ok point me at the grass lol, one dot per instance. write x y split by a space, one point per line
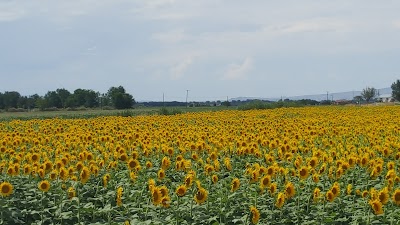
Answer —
90 113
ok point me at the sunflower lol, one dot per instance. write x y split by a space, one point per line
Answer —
71 192
255 214
44 186
53 175
161 174
270 171
156 196
214 179
181 190
235 184
132 164
84 175
396 197
6 189
377 206
272 188
335 189
280 200
165 201
120 190
349 189
151 184
133 176
289 190
364 194
313 161
201 195
189 180
41 173
164 191
165 163
383 196
27 169
149 164
316 194
330 196
265 182
106 178
315 178
303 172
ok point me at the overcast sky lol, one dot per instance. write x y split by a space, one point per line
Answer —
214 48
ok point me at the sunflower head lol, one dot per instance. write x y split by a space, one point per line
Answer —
289 190
280 200
181 190
156 196
383 196
235 184
255 214
201 195
376 206
161 174
44 186
316 194
6 189
214 179
396 197
330 196
303 172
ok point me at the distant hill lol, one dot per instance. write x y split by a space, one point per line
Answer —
319 97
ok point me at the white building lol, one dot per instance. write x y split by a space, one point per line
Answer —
385 98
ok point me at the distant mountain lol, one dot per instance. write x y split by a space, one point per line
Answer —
349 95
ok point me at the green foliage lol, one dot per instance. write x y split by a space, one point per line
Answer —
396 90
119 98
166 112
258 104
369 93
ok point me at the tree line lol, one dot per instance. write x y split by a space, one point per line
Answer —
116 97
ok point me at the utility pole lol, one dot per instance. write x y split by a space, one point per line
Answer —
327 96
187 94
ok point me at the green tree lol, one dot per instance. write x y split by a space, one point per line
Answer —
10 99
358 99
396 90
119 98
63 94
53 99
1 101
369 93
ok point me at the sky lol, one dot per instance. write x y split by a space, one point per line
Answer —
213 48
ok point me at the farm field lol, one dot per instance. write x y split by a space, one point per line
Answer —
311 165
90 113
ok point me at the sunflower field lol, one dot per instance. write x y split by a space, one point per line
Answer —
312 165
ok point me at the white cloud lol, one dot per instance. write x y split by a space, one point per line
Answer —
179 69
396 24
239 72
172 36
10 12
314 25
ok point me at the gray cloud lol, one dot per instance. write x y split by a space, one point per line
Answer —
263 48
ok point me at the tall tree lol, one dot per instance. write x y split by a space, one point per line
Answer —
119 98
63 94
52 99
369 93
1 100
396 90
10 99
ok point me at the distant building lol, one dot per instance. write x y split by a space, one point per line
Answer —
385 98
